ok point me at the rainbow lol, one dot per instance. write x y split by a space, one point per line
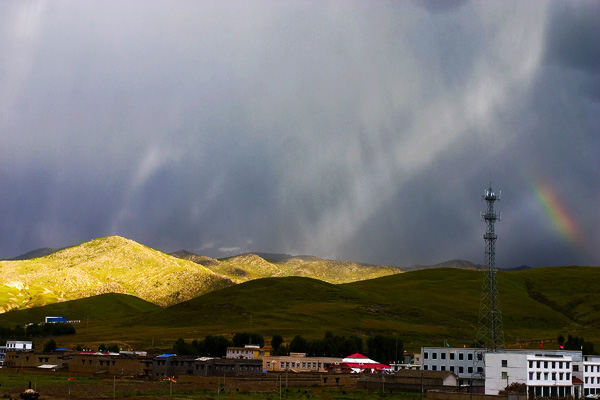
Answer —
557 213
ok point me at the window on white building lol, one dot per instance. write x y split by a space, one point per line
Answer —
470 370
561 376
560 364
434 356
539 364
461 356
504 375
545 364
531 376
461 370
545 376
451 368
443 356
538 376
452 356
426 355
530 364
504 363
554 376
568 375
470 356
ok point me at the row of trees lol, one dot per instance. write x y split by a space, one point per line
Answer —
379 347
576 343
329 346
211 346
36 330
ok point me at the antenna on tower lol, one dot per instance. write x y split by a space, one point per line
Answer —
490 334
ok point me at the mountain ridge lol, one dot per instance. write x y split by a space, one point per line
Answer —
118 265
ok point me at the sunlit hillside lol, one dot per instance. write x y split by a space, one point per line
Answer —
246 267
107 265
118 265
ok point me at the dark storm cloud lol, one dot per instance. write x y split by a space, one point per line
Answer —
440 5
574 36
343 130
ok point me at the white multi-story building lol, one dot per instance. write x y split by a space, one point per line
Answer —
2 354
558 373
248 352
467 363
545 374
16 345
591 375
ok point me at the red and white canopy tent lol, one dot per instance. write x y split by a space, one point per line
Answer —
357 363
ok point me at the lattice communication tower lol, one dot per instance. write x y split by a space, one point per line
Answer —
490 334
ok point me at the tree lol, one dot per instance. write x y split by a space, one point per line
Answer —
276 341
49 346
384 348
182 348
102 348
244 338
215 346
281 351
298 345
113 348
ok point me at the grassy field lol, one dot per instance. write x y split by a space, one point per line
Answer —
57 386
423 307
109 305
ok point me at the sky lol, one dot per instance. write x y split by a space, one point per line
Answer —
354 130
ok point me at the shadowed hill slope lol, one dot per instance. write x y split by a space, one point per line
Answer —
423 307
103 306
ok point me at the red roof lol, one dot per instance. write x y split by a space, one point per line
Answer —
367 366
577 381
357 355
356 366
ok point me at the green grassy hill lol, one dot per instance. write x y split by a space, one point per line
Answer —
424 307
103 306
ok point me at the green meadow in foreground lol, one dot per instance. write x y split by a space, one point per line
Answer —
57 386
